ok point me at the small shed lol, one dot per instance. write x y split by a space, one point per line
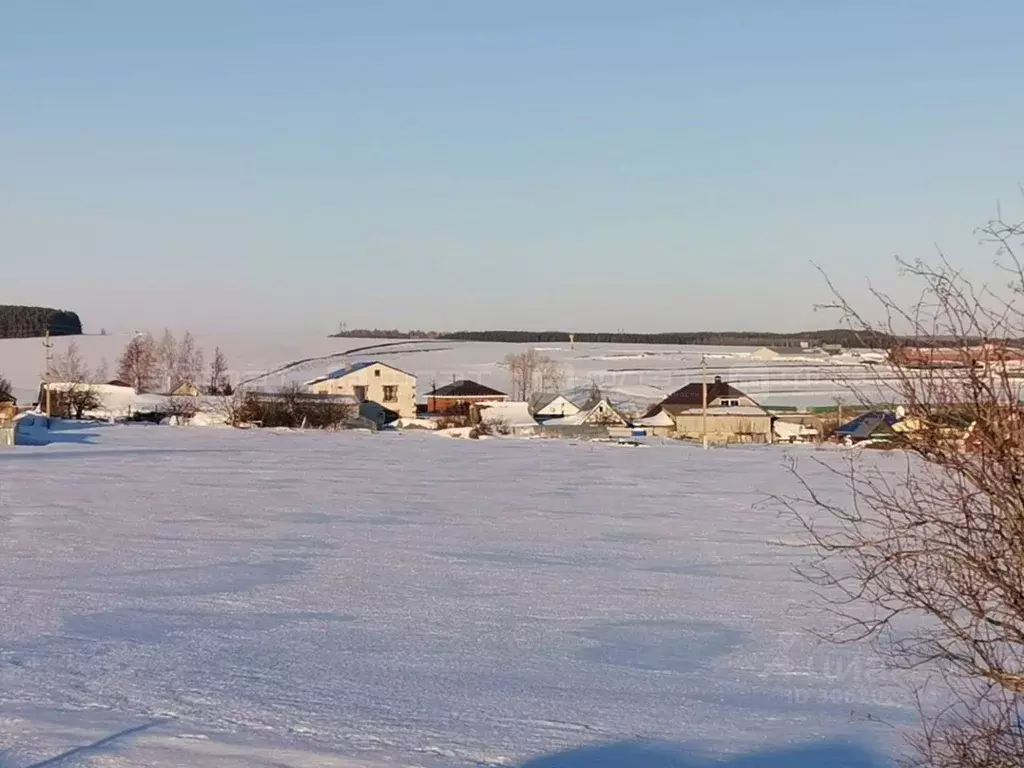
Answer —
458 396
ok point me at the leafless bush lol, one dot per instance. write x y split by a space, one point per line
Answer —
928 560
292 408
5 385
184 408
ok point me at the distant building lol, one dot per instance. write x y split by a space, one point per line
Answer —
552 406
732 415
374 382
185 389
458 396
599 419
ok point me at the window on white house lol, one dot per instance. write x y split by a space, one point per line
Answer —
360 393
377 373
390 394
729 403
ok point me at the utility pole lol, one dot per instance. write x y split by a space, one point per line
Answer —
704 400
48 346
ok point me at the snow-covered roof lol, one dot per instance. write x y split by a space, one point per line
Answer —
512 414
602 412
787 429
354 368
661 419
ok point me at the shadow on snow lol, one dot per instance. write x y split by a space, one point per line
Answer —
636 754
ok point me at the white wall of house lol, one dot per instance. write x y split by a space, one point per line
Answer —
733 402
560 406
394 389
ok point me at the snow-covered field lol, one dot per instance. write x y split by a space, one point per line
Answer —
195 597
633 375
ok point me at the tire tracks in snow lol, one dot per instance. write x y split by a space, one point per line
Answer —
355 350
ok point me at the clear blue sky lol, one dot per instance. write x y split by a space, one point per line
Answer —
582 164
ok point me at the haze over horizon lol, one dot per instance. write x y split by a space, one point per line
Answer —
583 165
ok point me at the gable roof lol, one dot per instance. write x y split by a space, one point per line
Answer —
543 400
184 386
602 412
353 368
692 395
465 388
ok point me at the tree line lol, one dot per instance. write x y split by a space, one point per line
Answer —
846 338
21 322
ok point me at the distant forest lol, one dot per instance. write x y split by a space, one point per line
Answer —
844 337
18 322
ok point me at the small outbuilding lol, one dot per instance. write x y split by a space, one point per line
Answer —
458 396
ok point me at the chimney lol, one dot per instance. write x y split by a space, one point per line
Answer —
718 379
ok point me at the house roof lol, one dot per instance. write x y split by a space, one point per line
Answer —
465 388
353 368
603 408
867 424
693 393
660 419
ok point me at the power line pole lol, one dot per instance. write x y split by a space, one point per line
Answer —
704 400
48 346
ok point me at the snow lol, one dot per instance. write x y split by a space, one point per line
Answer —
247 598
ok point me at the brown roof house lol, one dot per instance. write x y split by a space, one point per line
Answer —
458 396
732 416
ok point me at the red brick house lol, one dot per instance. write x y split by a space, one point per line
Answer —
458 396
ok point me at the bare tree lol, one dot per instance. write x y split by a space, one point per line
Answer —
530 371
138 363
550 375
928 559
68 366
219 383
166 354
188 362
102 373
75 395
5 385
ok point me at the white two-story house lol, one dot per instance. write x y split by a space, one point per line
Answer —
373 382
